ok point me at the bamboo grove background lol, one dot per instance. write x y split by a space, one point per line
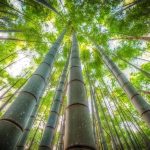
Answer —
52 43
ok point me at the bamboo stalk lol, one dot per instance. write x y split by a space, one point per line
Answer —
78 129
139 102
48 136
16 117
103 140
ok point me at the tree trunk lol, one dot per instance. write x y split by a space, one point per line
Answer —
145 92
103 140
48 136
16 117
22 141
114 101
78 129
10 30
129 5
95 105
18 40
61 142
144 38
142 106
94 123
147 74
143 71
113 140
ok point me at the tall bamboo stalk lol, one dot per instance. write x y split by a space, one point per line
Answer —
61 142
78 129
138 68
144 38
98 140
16 117
48 136
126 143
103 140
139 102
106 119
131 117
103 84
132 137
94 123
117 138
23 139
41 121
128 6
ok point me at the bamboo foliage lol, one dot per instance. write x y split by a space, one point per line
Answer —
16 117
142 106
78 129
48 136
48 5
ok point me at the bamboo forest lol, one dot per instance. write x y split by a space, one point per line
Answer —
74 75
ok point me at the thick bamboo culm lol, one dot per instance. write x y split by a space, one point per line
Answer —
78 128
16 117
139 102
47 139
21 143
